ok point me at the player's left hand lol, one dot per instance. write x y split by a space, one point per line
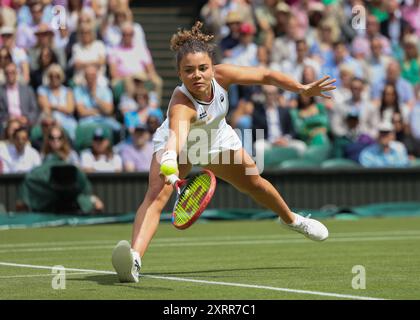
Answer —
317 88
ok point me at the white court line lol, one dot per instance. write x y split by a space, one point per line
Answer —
214 243
230 284
44 275
212 238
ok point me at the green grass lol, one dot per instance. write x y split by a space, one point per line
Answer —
258 253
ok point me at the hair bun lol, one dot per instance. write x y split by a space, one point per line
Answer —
184 36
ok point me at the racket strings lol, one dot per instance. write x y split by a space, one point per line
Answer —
190 199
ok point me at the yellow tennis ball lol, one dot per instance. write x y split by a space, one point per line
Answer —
169 167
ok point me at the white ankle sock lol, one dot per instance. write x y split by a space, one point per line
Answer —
298 220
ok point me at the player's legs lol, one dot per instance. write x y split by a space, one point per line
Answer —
148 214
258 188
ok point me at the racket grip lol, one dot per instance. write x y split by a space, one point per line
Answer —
173 179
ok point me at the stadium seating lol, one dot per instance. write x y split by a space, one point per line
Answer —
298 163
317 154
84 135
276 155
339 163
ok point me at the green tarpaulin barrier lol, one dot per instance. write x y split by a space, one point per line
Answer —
33 220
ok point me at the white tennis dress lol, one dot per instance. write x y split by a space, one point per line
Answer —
209 134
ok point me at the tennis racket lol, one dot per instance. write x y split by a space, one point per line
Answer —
193 196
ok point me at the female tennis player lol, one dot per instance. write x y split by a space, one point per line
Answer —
201 102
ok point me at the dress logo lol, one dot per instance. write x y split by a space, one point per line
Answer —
222 98
202 115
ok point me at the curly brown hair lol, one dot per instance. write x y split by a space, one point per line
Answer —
192 41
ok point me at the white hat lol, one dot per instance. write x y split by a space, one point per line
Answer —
385 126
7 30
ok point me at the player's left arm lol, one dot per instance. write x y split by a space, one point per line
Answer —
227 74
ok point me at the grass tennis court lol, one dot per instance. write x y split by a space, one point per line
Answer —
218 260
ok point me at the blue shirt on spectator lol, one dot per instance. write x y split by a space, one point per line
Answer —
332 69
373 156
404 89
82 95
415 121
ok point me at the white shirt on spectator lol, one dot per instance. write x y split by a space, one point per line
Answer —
102 164
14 162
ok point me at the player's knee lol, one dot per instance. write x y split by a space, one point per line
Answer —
251 185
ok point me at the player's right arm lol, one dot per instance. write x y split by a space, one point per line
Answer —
180 115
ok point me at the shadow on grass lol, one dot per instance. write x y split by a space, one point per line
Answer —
112 280
206 272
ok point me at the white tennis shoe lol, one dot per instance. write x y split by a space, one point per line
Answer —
310 228
126 262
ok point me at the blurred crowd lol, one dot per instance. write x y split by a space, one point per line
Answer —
71 69
372 49
92 74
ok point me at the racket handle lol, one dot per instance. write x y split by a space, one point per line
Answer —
173 179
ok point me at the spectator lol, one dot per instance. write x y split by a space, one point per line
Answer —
377 62
282 15
284 47
46 58
392 26
358 103
372 30
154 121
46 121
137 156
211 13
404 89
390 105
273 117
233 21
322 45
5 59
410 66
245 53
17 100
7 17
341 56
266 22
74 10
310 121
44 39
19 56
386 152
56 99
139 111
57 147
100 158
88 51
130 58
411 14
25 35
94 103
343 92
11 126
19 156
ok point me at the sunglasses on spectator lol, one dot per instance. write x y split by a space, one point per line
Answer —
52 138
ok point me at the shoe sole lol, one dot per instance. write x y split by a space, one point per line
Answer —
122 261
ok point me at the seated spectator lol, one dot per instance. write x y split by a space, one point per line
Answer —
139 110
410 65
310 121
358 103
19 56
343 92
7 134
404 88
111 29
25 35
284 47
46 121
414 125
245 53
100 158
19 156
57 99
137 155
17 101
44 39
94 103
386 152
377 62
233 21
411 14
57 147
138 82
46 58
390 105
130 58
274 118
5 59
154 121
88 51
341 56
321 45
264 14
